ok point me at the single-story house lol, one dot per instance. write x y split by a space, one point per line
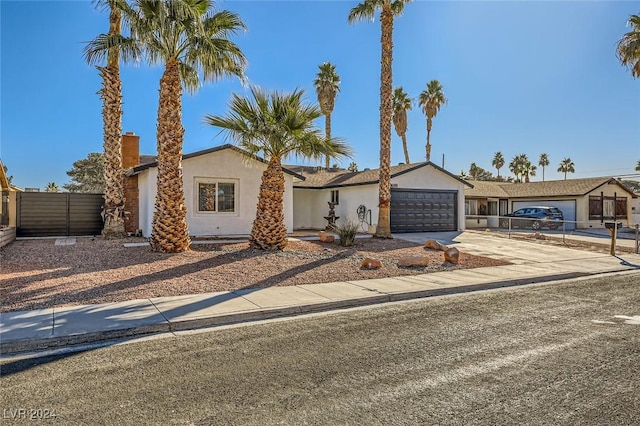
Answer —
585 203
424 197
221 188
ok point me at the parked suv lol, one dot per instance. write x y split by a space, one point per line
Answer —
534 217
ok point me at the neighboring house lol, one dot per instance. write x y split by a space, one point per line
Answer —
424 197
7 201
635 209
221 188
585 203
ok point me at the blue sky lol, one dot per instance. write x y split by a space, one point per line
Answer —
521 77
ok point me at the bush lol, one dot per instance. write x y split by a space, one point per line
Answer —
347 233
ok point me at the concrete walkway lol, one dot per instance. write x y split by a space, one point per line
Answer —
58 327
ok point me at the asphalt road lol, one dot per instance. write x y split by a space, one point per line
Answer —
565 353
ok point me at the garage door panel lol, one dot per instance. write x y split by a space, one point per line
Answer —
422 211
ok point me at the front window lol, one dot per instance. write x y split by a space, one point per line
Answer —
216 196
471 207
601 208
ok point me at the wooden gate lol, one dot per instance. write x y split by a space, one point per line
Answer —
47 214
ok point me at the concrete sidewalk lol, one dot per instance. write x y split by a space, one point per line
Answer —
58 327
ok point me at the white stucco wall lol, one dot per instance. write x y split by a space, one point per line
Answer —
226 165
310 205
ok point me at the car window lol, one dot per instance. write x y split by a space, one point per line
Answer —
520 212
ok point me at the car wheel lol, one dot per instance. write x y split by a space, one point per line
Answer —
536 226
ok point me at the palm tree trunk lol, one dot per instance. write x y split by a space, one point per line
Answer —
428 147
327 133
169 230
268 231
383 229
543 173
111 95
404 147
498 172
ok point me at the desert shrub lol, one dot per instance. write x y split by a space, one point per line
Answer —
346 232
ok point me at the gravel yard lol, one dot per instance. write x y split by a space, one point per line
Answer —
38 274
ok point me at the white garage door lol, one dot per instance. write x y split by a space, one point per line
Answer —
568 209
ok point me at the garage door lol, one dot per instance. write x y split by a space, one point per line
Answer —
567 207
417 210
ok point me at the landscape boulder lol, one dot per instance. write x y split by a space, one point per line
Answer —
413 262
435 245
369 263
452 255
326 238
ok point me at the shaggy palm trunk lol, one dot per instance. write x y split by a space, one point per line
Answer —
383 229
111 95
169 230
268 231
327 132
429 123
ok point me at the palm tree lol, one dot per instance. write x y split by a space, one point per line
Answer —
463 175
291 131
517 164
52 187
401 104
111 45
527 170
367 11
431 100
189 40
327 84
638 166
628 50
566 166
498 161
543 162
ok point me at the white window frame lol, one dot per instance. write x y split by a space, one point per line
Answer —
216 181
335 196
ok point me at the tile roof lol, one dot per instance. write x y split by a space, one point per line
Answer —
550 188
317 179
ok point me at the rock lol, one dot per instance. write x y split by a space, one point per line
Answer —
326 238
413 261
435 245
369 263
539 236
452 255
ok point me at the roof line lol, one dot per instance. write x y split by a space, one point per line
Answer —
140 168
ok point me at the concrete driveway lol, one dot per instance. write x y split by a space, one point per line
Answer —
516 251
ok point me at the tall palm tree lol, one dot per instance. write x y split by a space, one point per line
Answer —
401 104
498 161
388 10
192 43
543 162
291 131
527 170
327 84
111 45
566 166
628 50
431 101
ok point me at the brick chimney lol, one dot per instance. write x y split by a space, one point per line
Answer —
131 158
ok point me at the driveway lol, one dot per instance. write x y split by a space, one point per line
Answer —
513 250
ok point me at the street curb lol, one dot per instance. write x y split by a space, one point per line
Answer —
52 343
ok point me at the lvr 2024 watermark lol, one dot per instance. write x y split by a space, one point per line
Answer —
28 414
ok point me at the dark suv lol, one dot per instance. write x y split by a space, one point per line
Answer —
534 217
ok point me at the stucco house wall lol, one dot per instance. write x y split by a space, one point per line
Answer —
311 205
226 165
